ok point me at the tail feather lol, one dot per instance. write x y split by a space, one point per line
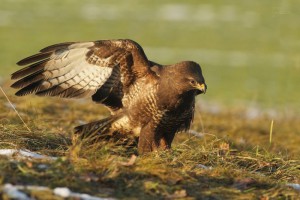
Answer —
97 128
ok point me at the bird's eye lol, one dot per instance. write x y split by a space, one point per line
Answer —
193 82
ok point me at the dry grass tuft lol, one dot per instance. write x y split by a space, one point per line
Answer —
232 160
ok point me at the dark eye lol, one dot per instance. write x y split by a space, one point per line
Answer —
193 82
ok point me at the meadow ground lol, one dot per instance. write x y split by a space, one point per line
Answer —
225 156
249 52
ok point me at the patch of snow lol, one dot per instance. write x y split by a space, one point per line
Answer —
203 167
32 187
14 193
88 197
7 152
43 166
67 193
34 155
295 186
24 154
62 191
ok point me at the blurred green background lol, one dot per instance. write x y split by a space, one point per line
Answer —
249 50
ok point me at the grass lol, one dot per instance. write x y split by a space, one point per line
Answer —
233 159
249 118
248 51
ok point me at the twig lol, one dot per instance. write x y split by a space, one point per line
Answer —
15 109
271 132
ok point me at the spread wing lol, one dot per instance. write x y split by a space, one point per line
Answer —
103 70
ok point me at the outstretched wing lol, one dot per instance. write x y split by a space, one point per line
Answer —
103 70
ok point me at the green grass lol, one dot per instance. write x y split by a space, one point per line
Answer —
248 50
249 54
241 163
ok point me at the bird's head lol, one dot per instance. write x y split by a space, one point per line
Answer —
191 77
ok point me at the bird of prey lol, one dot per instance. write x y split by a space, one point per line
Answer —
146 99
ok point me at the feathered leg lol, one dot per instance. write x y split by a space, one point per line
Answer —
166 140
150 139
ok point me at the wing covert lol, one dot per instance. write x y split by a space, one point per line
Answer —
103 70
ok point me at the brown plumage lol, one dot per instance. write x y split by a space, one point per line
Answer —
146 99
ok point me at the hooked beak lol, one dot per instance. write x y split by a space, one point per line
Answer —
201 87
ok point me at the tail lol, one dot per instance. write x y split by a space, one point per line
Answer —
97 128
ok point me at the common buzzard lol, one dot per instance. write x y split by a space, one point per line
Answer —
146 99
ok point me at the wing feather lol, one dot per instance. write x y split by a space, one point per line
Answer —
103 70
54 47
32 78
29 69
34 58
